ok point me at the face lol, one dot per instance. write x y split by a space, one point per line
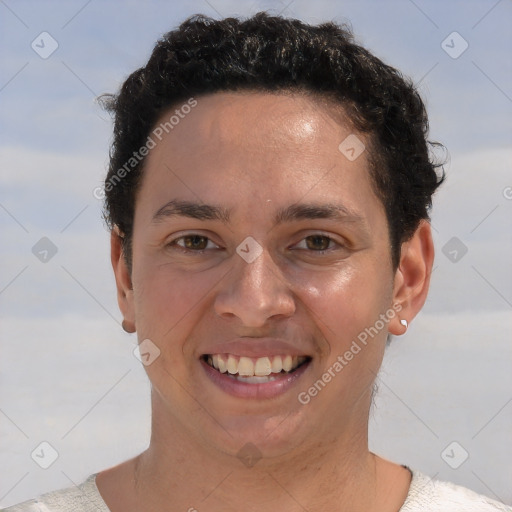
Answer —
261 259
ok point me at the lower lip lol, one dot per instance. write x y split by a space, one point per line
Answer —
283 383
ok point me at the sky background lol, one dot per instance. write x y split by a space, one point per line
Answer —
68 373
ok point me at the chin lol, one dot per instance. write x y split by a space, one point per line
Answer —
261 436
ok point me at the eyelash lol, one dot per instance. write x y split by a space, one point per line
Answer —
330 240
174 243
185 249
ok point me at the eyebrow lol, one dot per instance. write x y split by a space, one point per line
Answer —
294 212
192 210
329 211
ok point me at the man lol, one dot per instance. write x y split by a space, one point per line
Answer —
268 197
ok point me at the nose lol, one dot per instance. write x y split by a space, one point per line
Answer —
254 292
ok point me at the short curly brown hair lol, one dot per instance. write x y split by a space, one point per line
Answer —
270 54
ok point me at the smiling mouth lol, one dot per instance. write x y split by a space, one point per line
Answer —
255 370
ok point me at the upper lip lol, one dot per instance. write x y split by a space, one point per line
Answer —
255 347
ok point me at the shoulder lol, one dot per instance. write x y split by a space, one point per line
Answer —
82 498
438 496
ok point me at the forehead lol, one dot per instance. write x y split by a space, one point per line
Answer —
268 146
257 120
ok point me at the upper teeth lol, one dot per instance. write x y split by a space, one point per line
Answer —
247 366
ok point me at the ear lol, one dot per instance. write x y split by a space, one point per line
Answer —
123 281
412 278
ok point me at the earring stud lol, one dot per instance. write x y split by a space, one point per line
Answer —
404 323
126 327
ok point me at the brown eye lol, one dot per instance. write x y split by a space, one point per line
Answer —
195 242
318 242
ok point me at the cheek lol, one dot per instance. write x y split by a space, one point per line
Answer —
347 308
168 307
167 299
346 303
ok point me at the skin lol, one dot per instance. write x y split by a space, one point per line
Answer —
254 154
